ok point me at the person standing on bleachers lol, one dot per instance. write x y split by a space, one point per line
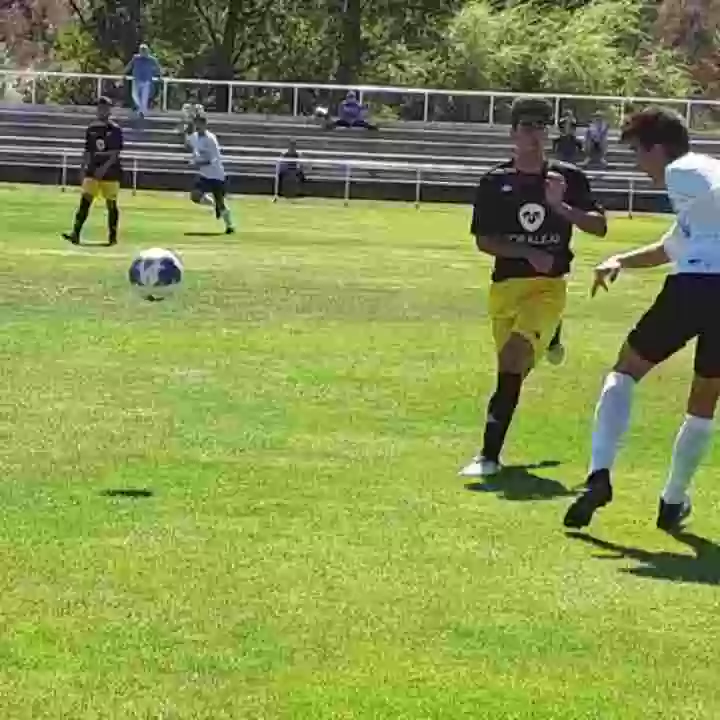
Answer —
144 68
596 140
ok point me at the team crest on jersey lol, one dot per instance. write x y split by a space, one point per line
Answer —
531 216
100 144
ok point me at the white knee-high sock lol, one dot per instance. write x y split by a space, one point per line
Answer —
691 443
612 417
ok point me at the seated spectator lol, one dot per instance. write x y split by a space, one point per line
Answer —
352 114
566 146
596 140
290 174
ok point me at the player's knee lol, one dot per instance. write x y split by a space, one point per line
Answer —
703 398
630 363
87 198
517 355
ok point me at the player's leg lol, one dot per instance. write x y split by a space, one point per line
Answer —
694 435
523 323
659 334
221 208
90 189
144 93
136 96
200 192
110 191
555 352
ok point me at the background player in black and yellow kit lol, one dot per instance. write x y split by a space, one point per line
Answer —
102 169
524 215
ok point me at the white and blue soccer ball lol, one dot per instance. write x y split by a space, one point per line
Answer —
156 273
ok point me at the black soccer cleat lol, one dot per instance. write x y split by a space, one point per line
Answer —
671 515
597 494
112 240
72 237
230 231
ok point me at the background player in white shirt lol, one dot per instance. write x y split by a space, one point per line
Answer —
211 178
685 309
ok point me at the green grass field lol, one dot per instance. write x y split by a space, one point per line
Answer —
297 415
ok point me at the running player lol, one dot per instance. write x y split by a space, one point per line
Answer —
211 180
685 309
524 215
102 167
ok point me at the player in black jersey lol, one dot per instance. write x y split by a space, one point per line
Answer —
102 168
524 215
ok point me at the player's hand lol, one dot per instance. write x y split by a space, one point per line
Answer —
541 261
606 272
555 187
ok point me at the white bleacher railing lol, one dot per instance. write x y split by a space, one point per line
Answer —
687 106
66 160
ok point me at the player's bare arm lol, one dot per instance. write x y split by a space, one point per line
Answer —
112 157
593 222
649 256
502 247
589 221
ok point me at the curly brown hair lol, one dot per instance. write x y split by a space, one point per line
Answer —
657 126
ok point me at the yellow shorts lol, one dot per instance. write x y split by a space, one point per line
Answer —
530 307
108 189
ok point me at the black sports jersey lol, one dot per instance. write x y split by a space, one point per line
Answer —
511 204
101 138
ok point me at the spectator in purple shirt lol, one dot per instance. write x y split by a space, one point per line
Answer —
352 114
144 68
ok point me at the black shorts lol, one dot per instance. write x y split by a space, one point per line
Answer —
216 188
685 309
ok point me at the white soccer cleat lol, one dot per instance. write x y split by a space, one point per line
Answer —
480 467
555 354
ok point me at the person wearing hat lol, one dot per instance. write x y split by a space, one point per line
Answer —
102 171
524 214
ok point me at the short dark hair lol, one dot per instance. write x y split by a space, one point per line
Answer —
657 126
535 109
104 101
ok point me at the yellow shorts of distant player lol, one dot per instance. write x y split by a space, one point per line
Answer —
530 307
107 189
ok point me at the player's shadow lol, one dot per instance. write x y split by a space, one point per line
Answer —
517 482
201 233
703 567
135 493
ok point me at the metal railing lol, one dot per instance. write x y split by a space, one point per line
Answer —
494 102
66 160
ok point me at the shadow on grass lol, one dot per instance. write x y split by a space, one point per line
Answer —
702 568
201 233
518 483
128 493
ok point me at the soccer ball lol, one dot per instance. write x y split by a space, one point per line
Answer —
155 273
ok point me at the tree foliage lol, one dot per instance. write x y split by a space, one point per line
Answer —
574 46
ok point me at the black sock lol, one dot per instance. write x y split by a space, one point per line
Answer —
556 337
82 214
113 219
501 409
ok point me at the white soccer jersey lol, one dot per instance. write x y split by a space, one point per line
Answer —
693 185
206 152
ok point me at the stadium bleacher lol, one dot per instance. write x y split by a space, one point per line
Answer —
439 161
